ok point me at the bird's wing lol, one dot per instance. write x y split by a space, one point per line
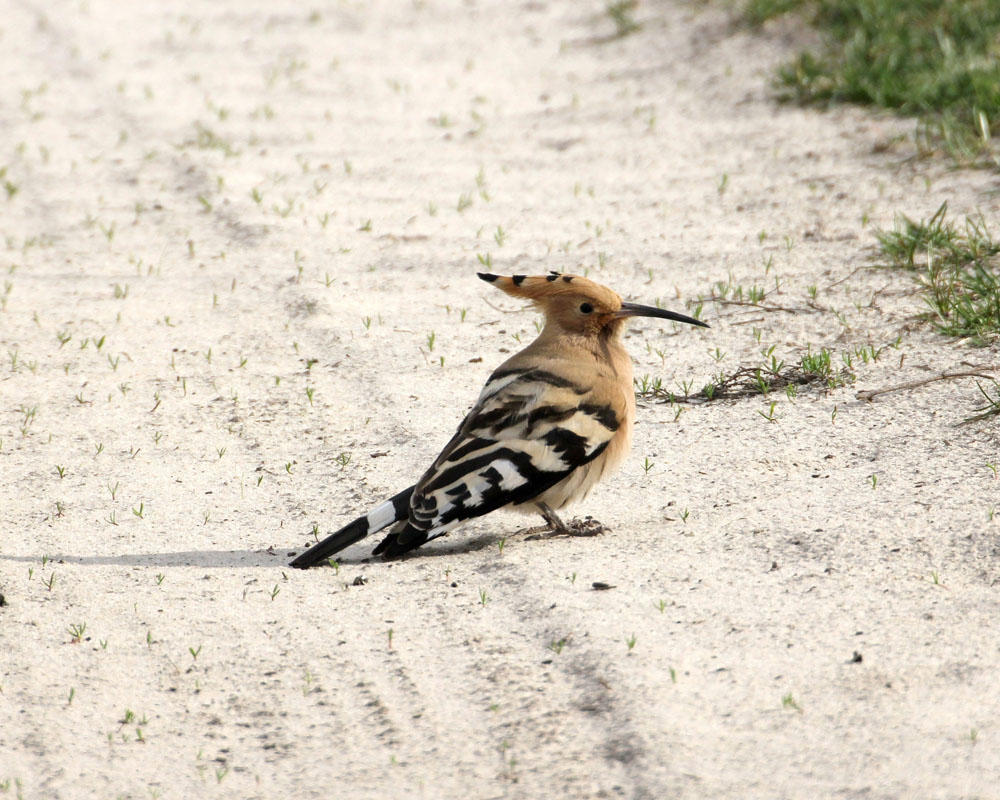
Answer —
529 429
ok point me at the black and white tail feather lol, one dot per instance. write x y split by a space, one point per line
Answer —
529 430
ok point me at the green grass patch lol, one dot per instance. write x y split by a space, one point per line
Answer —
812 369
938 60
958 268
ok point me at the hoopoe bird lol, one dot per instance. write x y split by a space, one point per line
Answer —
550 422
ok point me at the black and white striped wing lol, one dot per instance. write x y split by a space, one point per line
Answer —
529 429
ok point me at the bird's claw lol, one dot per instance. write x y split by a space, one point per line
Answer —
588 526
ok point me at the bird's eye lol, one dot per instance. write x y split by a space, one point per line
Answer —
586 308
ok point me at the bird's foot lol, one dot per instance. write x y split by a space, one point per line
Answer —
588 526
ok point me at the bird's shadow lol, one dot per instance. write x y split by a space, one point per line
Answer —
225 559
246 559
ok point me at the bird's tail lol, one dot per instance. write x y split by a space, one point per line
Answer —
390 512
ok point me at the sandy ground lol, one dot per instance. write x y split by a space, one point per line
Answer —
239 302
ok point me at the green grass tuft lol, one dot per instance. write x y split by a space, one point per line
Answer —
958 269
933 59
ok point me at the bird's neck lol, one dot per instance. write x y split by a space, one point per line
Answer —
605 347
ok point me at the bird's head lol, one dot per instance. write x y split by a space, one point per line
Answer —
578 305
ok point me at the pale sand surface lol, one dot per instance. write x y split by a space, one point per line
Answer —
135 135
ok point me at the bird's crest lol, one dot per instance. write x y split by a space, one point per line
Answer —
540 288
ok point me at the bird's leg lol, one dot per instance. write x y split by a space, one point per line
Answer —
556 527
553 525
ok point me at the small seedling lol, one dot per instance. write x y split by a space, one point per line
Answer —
630 641
76 631
274 592
557 646
194 651
483 597
992 407
622 13
309 678
647 465
787 701
769 415
873 479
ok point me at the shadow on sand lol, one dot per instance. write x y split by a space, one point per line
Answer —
235 559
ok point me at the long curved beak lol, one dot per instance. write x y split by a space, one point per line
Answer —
636 310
